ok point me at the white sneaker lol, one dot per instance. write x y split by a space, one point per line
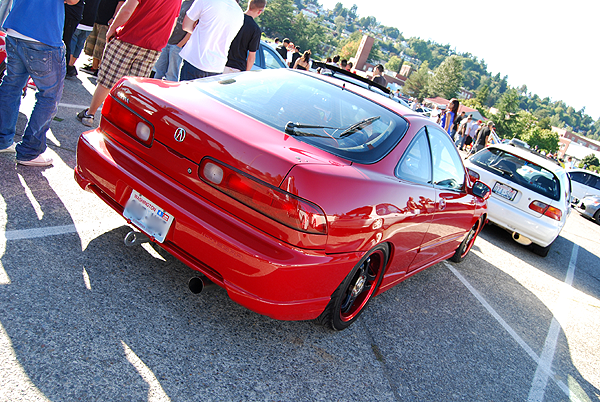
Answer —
10 149
41 160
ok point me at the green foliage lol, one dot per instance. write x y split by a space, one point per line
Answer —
417 84
544 140
308 35
447 78
475 104
507 125
589 161
277 18
395 64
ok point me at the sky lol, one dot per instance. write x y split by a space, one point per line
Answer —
550 46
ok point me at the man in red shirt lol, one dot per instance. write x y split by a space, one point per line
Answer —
134 40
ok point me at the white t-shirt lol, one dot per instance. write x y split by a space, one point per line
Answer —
219 21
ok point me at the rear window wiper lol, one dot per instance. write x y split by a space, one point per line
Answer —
290 129
359 126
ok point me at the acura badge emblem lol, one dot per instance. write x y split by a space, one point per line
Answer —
180 134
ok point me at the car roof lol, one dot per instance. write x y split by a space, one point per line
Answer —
529 155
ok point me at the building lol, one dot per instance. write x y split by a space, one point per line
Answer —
571 144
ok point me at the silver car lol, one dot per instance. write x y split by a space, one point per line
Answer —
589 206
530 194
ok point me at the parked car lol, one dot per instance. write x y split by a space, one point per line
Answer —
302 195
589 206
530 194
583 182
267 57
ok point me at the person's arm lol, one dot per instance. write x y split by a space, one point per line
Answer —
188 24
447 122
117 8
184 40
250 60
121 18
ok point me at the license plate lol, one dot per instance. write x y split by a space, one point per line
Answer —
148 216
504 191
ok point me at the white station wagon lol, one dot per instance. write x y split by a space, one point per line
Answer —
530 194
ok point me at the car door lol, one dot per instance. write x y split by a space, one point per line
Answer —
454 207
414 171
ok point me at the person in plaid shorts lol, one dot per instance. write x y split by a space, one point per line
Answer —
140 30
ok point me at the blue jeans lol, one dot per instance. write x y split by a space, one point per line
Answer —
77 42
46 66
189 72
168 64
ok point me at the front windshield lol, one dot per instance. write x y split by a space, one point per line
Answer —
519 171
313 111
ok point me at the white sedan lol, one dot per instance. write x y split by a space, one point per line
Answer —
530 194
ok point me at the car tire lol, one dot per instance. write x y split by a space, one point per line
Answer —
539 250
597 216
356 291
465 246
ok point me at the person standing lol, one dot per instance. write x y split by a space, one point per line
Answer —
303 63
448 117
134 41
282 48
85 27
213 25
378 77
96 41
35 49
457 122
169 61
73 14
242 51
483 138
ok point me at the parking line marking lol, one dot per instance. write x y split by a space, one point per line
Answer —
33 233
72 106
544 370
540 379
494 314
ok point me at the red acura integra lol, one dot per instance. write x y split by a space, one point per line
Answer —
301 195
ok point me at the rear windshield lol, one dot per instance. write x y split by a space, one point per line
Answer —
343 123
520 171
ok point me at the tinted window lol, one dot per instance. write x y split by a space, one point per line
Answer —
415 164
520 171
343 123
448 170
579 177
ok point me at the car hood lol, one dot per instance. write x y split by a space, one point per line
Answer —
194 125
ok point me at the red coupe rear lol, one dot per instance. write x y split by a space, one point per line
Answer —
302 196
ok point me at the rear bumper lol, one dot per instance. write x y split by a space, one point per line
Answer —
258 271
540 230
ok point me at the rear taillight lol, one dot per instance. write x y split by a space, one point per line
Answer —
473 174
127 120
268 200
546 209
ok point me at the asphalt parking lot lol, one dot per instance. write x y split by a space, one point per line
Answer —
83 317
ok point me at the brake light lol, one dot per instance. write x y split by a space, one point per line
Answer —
473 174
546 210
127 120
270 201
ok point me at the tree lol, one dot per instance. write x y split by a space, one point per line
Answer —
447 78
507 125
417 84
395 64
340 24
589 161
277 18
544 140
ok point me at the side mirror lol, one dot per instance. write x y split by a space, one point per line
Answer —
481 190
